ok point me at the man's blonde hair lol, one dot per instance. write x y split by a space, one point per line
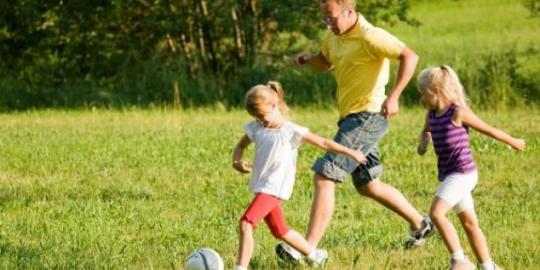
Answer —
340 2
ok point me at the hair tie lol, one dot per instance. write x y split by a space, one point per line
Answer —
273 85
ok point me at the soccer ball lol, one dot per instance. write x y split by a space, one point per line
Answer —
204 259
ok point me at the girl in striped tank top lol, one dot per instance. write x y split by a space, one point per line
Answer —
447 122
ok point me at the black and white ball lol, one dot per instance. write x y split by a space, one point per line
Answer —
204 259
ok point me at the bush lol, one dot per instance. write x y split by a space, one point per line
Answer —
493 80
533 6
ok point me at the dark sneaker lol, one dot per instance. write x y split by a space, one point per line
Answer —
289 254
418 237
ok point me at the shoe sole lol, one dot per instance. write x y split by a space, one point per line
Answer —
285 255
414 243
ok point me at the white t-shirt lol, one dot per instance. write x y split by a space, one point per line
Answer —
274 167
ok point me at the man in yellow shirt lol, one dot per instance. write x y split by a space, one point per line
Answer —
358 55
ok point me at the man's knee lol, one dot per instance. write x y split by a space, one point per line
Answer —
369 189
322 183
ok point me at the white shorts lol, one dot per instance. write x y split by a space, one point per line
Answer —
456 190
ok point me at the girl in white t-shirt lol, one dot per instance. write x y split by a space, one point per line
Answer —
276 146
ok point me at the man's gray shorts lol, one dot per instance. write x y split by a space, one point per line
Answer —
361 131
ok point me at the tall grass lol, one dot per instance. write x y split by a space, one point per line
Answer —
494 46
138 189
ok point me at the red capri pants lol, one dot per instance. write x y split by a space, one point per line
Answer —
267 207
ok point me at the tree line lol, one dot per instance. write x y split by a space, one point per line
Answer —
73 53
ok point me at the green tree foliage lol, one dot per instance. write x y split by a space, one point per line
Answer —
74 52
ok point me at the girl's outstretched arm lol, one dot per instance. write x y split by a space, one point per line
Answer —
425 137
332 146
239 164
466 117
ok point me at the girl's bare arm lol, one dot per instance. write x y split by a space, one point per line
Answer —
425 137
468 118
332 146
239 164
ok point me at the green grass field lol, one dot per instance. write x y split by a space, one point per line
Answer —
142 189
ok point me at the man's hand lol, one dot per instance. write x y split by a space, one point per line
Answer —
241 166
407 63
302 58
389 108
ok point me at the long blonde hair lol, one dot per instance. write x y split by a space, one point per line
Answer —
442 82
261 93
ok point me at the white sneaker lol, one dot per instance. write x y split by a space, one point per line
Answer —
288 253
318 258
465 264
495 266
418 237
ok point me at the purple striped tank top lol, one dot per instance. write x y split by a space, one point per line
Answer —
451 144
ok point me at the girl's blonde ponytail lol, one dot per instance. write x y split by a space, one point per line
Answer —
453 88
262 93
443 82
276 86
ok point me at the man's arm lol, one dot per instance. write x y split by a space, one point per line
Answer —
407 64
315 60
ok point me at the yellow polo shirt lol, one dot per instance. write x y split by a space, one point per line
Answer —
361 66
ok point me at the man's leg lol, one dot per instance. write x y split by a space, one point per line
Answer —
392 199
366 179
360 131
420 227
322 208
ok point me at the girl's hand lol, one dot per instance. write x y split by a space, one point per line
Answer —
422 148
242 166
518 144
359 157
